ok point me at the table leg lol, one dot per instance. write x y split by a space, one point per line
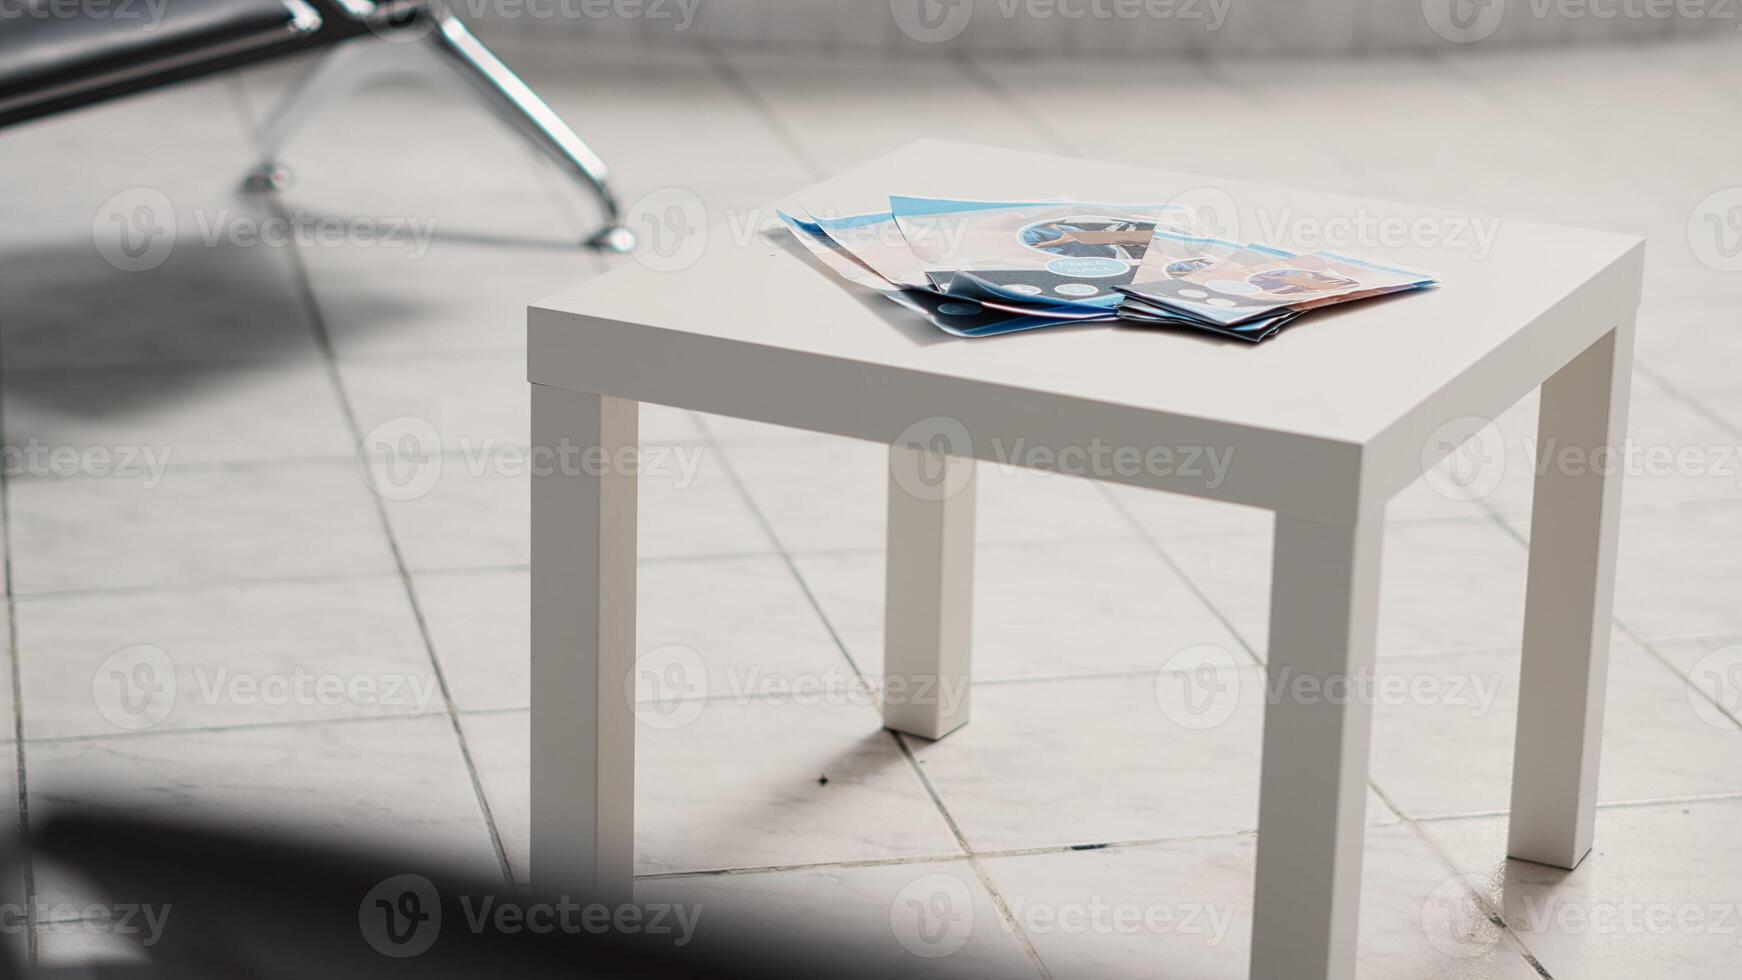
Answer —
929 592
583 644
1570 599
1313 795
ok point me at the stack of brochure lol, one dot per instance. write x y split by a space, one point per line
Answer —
982 268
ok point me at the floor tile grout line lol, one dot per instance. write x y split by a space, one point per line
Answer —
123 369
27 863
1495 916
1692 400
1408 821
1235 82
14 664
197 585
205 585
889 862
1385 798
994 854
362 358
248 726
495 710
767 526
1548 127
1172 841
202 585
1652 650
759 105
1601 805
1011 923
317 321
323 339
975 72
1670 801
1634 636
222 466
1514 942
1372 782
1173 565
900 743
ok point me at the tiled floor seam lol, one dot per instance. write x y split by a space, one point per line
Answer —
1161 552
1495 916
1008 919
51 372
1011 923
1550 127
978 855
1651 649
1002 905
989 84
205 467
305 290
1645 804
1635 636
202 585
1693 401
42 740
26 864
786 558
994 854
324 342
765 111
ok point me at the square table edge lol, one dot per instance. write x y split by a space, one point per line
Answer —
1286 472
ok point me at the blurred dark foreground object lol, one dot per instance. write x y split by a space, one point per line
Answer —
227 906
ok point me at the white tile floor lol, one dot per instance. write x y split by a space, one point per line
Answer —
259 552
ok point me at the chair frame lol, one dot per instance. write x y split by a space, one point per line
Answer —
426 41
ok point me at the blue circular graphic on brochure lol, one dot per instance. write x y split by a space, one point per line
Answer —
1076 289
1088 268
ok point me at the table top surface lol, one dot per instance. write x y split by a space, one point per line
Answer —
1342 374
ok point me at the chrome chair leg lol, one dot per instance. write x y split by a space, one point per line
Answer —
344 69
518 105
447 54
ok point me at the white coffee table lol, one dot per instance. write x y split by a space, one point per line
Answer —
1326 423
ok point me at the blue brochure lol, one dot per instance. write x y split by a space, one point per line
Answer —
983 268
956 316
1055 253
